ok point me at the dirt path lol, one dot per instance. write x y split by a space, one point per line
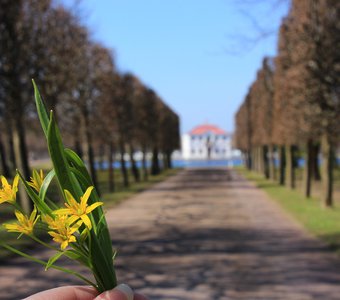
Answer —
203 234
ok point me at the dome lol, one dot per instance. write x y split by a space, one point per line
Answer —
207 128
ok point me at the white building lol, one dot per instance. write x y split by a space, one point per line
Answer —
206 142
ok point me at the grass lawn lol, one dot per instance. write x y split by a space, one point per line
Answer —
322 222
110 199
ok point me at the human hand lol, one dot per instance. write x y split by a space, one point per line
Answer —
121 292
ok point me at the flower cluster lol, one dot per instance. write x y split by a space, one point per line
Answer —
78 227
63 223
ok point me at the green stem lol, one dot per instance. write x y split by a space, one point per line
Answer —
44 244
45 264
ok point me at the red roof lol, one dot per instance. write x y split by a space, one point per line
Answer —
202 129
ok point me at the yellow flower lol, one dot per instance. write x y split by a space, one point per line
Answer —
37 180
56 223
77 210
64 235
25 224
8 192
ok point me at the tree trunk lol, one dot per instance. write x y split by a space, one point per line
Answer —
88 149
134 169
101 161
249 161
23 149
123 166
11 149
26 204
265 161
315 162
290 174
255 164
282 165
111 168
4 166
144 166
77 147
155 169
271 162
308 169
327 171
168 159
165 161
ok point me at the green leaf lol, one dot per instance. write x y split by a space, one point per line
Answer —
53 259
77 162
46 184
41 205
42 113
60 164
102 263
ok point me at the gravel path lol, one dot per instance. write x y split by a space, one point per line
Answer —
203 234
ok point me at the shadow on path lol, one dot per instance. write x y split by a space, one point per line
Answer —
204 234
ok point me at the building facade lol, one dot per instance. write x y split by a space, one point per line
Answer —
207 142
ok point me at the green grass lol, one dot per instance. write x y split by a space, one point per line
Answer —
322 222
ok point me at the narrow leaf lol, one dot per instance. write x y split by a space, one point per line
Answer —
42 113
46 184
53 259
60 164
42 206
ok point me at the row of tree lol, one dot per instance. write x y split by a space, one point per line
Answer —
293 106
100 111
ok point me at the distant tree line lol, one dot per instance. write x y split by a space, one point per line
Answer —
293 106
102 112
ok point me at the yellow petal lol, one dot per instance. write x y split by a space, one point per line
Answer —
86 196
69 197
15 182
86 221
21 218
11 227
64 244
72 219
62 211
4 181
93 206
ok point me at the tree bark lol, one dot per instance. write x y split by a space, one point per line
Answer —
101 161
308 169
327 171
26 204
290 174
155 169
271 162
168 159
249 161
144 166
88 149
11 147
282 165
123 165
4 166
315 163
77 147
111 168
134 169
265 161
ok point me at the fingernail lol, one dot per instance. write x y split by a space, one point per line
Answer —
126 290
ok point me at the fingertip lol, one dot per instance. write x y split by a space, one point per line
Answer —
121 292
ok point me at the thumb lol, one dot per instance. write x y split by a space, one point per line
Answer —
120 292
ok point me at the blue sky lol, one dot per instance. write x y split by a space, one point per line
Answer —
181 49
